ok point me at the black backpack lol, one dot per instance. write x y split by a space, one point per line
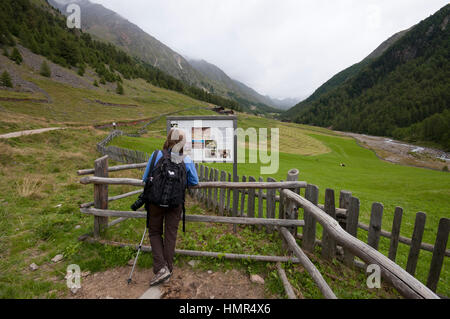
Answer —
166 183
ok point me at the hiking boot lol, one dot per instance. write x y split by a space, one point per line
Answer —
160 277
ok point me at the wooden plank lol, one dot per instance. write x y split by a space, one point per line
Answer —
292 176
204 185
260 200
309 231
199 218
414 251
309 266
223 177
406 284
209 203
241 213
344 202
195 253
438 255
281 213
100 195
228 195
235 203
113 168
328 243
287 286
216 191
270 204
395 234
202 191
376 217
205 193
352 228
251 199
114 198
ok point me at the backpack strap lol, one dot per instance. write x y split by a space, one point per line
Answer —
147 184
152 163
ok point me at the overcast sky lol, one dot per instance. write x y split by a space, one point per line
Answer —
282 48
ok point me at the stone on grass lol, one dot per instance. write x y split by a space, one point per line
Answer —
85 274
34 267
57 258
193 263
257 279
131 262
77 227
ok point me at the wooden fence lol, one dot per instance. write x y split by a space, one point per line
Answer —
246 203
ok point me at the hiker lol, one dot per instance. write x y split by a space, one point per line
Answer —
165 220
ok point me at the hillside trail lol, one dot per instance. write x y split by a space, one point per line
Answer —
30 132
39 131
186 283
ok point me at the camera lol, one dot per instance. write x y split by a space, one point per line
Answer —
139 203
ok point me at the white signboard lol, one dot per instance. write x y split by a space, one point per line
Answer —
207 139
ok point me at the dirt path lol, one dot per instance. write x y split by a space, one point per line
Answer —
30 132
186 283
403 153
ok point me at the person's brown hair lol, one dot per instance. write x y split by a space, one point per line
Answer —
176 139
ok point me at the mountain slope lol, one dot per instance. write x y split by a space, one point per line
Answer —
403 92
346 74
107 25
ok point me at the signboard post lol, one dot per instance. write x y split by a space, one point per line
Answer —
210 139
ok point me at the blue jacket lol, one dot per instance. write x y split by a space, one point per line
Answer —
192 177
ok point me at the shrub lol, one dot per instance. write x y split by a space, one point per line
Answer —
96 83
119 89
5 80
16 56
45 69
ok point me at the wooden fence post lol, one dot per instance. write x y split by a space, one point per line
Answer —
352 228
375 225
395 234
244 180
328 243
100 195
416 242
260 201
270 204
309 230
227 210
251 199
223 177
209 203
235 203
204 178
344 201
216 191
438 254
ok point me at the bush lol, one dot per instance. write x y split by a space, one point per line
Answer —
96 83
16 56
445 168
45 69
5 80
119 89
5 52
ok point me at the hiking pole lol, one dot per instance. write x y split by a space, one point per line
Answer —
137 255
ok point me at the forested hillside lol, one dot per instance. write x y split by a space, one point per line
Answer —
403 93
42 29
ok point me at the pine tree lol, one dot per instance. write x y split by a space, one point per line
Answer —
45 69
16 56
119 89
5 80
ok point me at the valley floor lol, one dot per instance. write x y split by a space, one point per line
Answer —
402 153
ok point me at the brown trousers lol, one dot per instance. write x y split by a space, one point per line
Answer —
163 249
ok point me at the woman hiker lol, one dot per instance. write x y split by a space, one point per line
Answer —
165 220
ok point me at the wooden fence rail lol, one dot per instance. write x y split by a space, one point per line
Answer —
246 203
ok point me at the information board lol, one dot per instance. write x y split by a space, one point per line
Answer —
208 138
